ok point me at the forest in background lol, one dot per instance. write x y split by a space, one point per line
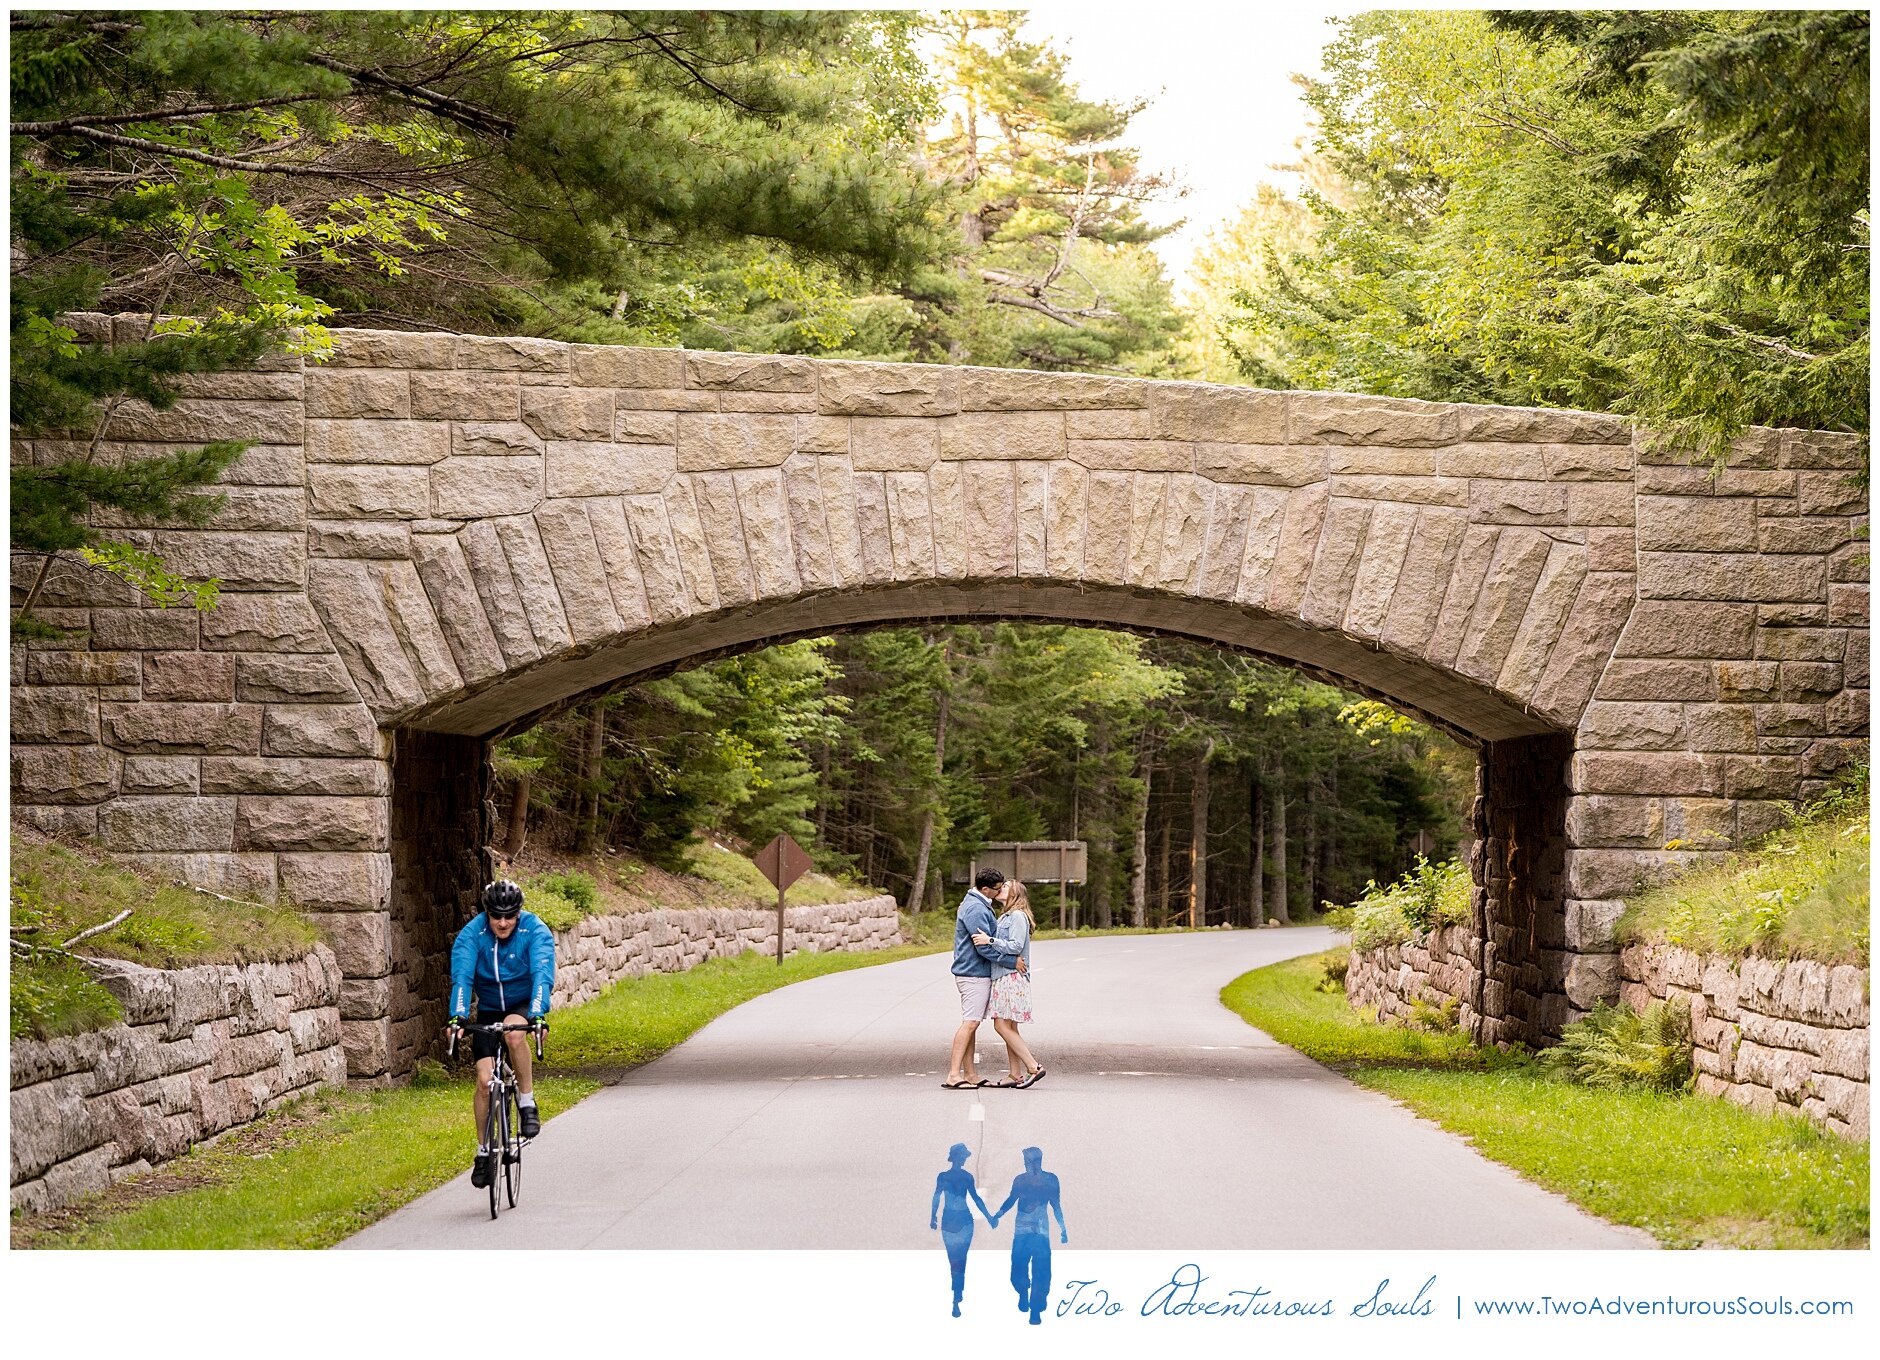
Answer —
1661 213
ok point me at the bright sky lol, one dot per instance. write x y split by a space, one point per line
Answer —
1225 108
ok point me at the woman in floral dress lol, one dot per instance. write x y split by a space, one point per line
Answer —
1011 985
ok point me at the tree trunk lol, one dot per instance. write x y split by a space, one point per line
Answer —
1278 909
591 779
926 821
1309 862
1139 867
1161 905
517 833
1256 819
1328 840
1198 843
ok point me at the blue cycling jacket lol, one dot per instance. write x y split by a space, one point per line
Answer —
505 976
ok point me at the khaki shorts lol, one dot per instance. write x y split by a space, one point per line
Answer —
975 997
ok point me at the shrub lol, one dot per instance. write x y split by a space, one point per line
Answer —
574 886
561 899
1429 895
1442 1018
1337 968
1616 1046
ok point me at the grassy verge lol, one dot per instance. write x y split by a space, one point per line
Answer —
1802 892
56 892
323 1168
1690 1171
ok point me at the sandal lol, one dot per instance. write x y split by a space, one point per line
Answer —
958 1085
1037 1075
1007 1085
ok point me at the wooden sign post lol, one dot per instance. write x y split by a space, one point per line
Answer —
783 861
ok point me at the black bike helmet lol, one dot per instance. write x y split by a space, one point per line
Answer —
502 898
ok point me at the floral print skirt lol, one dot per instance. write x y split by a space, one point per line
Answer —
1011 998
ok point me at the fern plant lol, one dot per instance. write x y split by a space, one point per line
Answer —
1616 1046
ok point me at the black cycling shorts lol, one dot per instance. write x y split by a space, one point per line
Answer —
483 1045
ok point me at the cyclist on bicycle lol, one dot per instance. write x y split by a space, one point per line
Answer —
505 960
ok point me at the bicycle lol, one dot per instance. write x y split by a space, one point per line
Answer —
500 1123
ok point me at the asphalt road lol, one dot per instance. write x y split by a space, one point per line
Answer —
812 1118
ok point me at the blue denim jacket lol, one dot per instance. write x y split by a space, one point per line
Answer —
975 914
1011 943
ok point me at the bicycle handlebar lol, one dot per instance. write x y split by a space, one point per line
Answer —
538 1028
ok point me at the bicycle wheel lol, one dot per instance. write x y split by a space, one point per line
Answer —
494 1135
512 1150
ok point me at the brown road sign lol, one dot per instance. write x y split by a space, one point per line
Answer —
783 861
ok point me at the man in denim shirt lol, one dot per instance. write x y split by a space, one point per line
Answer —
972 974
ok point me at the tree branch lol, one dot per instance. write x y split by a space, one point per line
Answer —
483 120
157 116
206 157
117 920
672 55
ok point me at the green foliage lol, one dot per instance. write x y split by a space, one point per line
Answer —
1429 895
1617 1046
1440 1018
1662 215
1802 892
562 898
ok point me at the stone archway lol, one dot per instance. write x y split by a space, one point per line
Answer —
445 535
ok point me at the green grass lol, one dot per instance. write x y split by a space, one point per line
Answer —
325 1167
1285 1000
1689 1170
1803 892
57 892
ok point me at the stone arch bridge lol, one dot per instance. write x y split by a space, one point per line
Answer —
437 537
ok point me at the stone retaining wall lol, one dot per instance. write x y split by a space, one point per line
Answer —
200 1050
1768 1034
1428 968
600 950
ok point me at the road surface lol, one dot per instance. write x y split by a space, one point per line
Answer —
812 1117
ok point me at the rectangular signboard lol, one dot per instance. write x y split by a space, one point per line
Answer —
1029 861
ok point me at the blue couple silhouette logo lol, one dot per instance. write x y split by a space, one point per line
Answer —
1034 1196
